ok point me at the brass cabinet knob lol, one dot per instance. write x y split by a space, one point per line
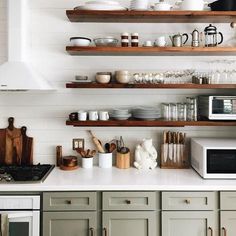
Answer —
224 231
211 231
187 201
91 230
128 202
105 231
69 202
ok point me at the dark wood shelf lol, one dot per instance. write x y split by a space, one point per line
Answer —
152 16
150 51
148 86
142 123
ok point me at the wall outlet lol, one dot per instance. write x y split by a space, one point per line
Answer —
78 143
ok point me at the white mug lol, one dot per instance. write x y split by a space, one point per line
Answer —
93 115
82 115
103 115
161 41
147 43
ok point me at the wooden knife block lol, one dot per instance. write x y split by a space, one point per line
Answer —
182 162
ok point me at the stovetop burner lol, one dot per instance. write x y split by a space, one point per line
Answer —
33 173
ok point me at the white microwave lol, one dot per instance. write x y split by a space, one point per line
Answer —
214 158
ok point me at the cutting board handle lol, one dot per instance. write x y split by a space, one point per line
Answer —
11 123
23 130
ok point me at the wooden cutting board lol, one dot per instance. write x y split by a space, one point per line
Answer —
16 147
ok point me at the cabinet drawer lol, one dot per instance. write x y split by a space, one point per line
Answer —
129 201
228 200
70 201
188 201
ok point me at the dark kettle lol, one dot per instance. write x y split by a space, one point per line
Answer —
223 5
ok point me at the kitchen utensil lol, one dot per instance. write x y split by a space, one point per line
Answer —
93 115
211 39
97 143
59 155
82 115
107 147
165 146
191 5
80 41
223 5
177 40
112 147
103 115
195 38
123 160
105 160
108 41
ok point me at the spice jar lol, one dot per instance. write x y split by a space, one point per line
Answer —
125 40
134 40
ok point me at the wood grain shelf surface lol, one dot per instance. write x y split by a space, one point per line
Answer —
150 51
142 123
151 16
148 86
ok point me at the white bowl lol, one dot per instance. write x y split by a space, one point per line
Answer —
80 41
122 72
103 79
123 79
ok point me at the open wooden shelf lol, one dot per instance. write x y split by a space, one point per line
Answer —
148 86
152 16
150 51
142 123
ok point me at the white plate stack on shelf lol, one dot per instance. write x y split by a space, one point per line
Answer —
146 113
102 5
120 114
139 5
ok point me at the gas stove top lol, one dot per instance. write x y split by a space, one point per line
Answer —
33 173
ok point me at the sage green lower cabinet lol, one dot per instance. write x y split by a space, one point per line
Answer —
129 223
228 223
188 223
69 223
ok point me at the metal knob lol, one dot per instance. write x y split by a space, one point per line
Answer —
128 202
211 231
187 201
69 202
91 230
224 231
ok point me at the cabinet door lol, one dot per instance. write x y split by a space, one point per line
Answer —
129 223
69 223
228 223
188 223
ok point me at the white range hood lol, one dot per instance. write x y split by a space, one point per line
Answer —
16 74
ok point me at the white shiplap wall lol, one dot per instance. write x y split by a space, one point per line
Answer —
45 113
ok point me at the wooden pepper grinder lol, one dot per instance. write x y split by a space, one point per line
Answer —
59 155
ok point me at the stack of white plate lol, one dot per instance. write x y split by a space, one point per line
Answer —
120 114
146 113
139 5
102 5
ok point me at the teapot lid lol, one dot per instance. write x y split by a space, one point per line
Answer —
210 28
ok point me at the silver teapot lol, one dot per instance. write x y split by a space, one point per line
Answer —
177 40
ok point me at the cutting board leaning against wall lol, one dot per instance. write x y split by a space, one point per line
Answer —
16 148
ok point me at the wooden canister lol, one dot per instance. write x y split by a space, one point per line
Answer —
123 160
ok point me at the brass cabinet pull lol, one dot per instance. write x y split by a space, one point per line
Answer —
105 231
128 202
211 230
69 202
92 232
187 201
224 231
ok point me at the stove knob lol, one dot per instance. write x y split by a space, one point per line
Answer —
8 178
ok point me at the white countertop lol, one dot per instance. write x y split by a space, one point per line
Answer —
98 179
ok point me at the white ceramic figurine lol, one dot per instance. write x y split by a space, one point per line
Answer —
145 155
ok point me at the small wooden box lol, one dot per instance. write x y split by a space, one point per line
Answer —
123 160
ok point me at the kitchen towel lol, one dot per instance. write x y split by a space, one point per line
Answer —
4 231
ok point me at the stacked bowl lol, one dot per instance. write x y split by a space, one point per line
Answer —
122 76
120 114
139 5
146 113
